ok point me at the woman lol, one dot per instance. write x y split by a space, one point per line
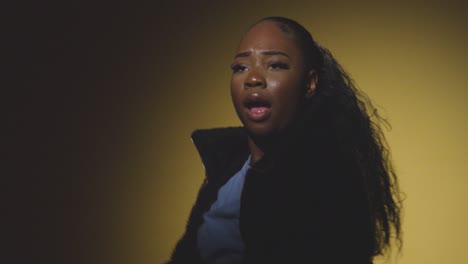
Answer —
307 178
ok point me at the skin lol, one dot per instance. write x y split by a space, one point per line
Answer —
269 65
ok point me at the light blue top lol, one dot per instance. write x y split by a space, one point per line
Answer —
219 239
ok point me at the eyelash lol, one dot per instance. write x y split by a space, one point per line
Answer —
274 66
279 66
238 68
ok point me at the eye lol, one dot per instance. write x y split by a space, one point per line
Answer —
278 66
238 68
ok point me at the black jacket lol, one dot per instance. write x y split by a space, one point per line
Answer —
306 205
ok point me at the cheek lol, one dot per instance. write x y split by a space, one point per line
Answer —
287 93
233 88
236 83
236 91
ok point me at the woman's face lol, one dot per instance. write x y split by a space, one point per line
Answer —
269 80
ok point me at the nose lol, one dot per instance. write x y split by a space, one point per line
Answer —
255 79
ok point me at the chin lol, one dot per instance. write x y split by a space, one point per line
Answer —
260 130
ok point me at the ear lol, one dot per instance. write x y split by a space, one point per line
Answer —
311 84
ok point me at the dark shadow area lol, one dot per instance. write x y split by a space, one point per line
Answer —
75 78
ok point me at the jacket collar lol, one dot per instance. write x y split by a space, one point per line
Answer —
222 151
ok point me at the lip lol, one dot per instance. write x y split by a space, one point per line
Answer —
257 107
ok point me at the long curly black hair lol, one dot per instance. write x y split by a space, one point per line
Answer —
357 126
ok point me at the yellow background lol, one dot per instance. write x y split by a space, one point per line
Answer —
134 81
410 59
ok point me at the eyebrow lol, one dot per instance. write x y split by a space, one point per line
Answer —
266 52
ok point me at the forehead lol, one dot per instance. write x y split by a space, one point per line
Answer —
267 35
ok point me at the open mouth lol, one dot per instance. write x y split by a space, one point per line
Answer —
258 108
257 105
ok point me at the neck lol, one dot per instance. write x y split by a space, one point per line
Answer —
255 150
272 146
290 140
